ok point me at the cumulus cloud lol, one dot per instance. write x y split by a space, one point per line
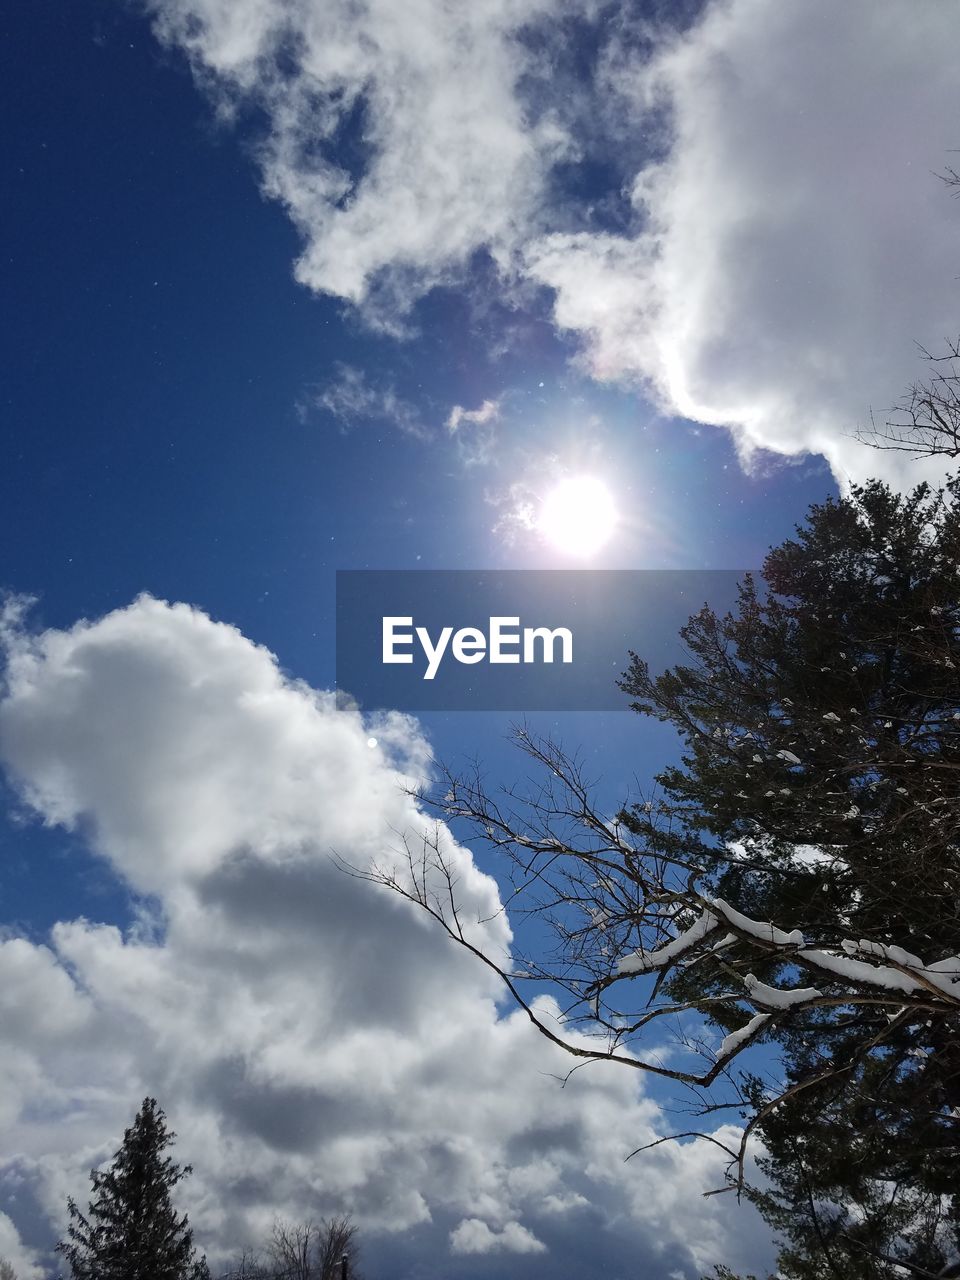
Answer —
474 1236
783 243
794 243
317 1045
12 1250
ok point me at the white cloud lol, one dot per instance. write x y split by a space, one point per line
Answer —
12 1250
790 241
795 242
474 1236
317 1044
451 160
487 412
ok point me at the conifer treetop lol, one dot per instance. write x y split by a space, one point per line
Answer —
131 1230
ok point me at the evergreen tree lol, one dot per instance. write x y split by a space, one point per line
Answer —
131 1230
822 743
822 716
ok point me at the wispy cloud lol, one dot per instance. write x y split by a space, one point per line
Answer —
475 431
354 400
516 506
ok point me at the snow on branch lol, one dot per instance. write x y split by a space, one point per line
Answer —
889 969
764 931
777 997
645 961
736 1040
904 972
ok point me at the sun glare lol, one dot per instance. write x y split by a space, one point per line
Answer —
578 516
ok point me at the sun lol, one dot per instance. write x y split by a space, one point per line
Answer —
579 516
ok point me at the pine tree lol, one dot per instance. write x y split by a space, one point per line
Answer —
822 715
822 743
131 1230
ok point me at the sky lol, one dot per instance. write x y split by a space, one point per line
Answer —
294 286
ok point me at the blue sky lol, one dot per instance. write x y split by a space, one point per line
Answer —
253 265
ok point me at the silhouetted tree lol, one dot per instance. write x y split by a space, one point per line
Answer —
303 1251
131 1230
312 1252
926 423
